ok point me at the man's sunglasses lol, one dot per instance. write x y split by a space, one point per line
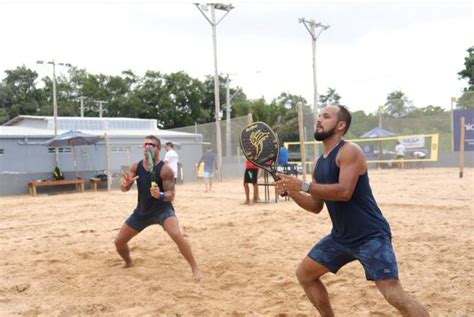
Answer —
153 145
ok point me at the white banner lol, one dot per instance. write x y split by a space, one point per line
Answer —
413 141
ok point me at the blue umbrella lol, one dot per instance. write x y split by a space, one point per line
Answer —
73 138
377 133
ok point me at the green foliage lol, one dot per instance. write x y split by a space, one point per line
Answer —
332 97
397 104
466 101
468 71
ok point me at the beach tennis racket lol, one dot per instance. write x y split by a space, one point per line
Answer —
260 146
151 158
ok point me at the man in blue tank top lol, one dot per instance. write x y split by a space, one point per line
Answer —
360 231
156 191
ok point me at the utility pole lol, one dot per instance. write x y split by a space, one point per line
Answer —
82 98
100 103
213 23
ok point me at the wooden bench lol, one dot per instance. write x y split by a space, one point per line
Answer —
78 182
96 180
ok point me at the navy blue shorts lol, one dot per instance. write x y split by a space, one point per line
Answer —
139 222
376 256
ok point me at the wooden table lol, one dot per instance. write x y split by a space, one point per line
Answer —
95 181
78 182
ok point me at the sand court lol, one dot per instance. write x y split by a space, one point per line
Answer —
59 259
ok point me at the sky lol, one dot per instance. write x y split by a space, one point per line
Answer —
369 50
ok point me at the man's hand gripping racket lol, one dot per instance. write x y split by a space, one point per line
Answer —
260 146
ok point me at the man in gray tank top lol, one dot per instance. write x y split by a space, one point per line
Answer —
360 231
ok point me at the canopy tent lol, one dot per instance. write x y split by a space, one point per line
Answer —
73 138
377 133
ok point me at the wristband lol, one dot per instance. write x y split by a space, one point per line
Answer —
162 196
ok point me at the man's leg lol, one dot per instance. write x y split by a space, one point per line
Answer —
308 274
171 226
210 183
125 234
255 193
247 193
394 294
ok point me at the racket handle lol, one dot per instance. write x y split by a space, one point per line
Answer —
277 178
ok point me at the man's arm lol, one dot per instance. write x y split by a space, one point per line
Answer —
167 178
128 178
292 186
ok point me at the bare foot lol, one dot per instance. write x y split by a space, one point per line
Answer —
247 202
197 274
127 265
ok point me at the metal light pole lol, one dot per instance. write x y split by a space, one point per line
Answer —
228 98
212 21
453 100
314 36
55 104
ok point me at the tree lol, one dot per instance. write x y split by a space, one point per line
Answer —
397 104
468 71
332 97
18 94
466 101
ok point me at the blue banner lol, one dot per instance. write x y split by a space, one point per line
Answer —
468 129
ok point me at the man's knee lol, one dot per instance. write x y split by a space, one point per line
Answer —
394 293
304 275
120 243
175 233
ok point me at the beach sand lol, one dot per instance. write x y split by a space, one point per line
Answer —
58 256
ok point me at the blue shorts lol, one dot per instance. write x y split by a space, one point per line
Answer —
139 222
376 256
208 174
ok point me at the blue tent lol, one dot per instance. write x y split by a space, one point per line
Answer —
73 138
377 133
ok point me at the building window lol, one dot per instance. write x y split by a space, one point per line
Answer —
120 149
60 149
1 151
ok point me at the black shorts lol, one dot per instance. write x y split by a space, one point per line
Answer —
251 175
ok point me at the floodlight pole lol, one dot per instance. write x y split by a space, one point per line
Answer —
314 36
55 104
453 101
214 24
228 98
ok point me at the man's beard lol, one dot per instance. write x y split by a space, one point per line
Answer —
321 136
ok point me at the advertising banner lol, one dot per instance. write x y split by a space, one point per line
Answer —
468 129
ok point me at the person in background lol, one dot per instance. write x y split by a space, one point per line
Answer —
419 155
250 177
283 159
210 165
172 158
400 154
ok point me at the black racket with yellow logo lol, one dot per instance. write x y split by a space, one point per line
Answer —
260 146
